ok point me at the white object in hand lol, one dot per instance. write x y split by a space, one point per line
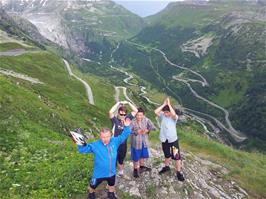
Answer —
78 138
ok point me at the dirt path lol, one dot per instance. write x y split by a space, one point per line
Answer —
234 133
20 76
15 52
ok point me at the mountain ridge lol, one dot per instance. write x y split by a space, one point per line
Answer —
81 26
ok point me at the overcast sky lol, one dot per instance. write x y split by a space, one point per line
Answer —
144 8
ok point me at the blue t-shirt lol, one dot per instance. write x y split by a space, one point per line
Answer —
167 128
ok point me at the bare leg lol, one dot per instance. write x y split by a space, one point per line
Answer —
91 190
136 169
167 161
178 165
111 188
120 166
136 164
179 175
141 162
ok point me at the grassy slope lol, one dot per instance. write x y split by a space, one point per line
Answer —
102 90
110 19
38 159
195 15
10 46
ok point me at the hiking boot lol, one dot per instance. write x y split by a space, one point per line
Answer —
164 169
136 173
111 195
180 176
144 168
91 196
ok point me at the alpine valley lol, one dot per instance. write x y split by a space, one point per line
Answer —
64 63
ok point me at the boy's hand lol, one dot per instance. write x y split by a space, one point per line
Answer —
168 101
124 102
165 102
143 131
127 122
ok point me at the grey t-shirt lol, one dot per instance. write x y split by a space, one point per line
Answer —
167 128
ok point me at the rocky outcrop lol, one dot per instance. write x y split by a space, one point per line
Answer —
204 179
21 28
198 46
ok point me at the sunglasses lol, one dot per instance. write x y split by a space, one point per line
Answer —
122 114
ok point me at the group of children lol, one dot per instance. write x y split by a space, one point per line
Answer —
110 150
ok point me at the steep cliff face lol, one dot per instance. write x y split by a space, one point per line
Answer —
21 28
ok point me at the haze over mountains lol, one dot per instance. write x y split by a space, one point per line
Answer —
144 8
209 57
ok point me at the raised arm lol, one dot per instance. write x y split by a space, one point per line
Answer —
126 132
85 149
132 106
113 110
172 111
159 109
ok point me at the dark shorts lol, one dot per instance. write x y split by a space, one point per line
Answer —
171 150
121 153
94 182
137 154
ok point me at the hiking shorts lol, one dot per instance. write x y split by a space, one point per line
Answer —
121 153
137 154
171 150
94 182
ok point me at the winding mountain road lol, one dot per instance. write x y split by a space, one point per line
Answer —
86 85
203 81
200 120
130 77
236 135
14 52
124 91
